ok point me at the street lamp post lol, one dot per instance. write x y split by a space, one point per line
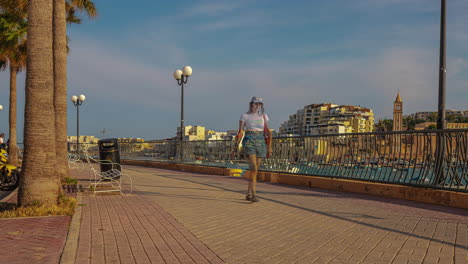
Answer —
441 122
182 78
77 101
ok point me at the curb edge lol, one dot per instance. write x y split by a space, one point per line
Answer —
71 243
8 197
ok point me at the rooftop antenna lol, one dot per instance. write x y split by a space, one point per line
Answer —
104 131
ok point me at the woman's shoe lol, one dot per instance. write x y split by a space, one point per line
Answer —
254 199
248 197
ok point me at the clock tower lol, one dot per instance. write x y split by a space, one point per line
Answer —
398 113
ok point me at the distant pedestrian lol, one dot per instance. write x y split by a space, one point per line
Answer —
2 140
256 143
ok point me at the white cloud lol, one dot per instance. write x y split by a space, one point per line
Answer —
415 5
109 74
213 8
370 81
398 58
247 20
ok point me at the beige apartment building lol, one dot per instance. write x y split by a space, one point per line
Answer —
201 133
425 125
86 142
426 115
83 139
213 135
328 118
192 133
195 133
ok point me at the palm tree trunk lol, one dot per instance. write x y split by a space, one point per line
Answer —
60 87
39 182
12 147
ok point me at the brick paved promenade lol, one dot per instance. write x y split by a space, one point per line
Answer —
178 217
32 239
133 229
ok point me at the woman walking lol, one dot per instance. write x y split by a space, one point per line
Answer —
256 143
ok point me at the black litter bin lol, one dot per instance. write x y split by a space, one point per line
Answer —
109 150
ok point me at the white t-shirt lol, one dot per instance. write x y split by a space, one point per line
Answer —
254 122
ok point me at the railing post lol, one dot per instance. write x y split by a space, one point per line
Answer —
439 168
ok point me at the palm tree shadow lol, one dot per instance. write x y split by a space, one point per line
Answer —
191 197
335 215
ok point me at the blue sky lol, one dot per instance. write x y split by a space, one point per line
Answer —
291 53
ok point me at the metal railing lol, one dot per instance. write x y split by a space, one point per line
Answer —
430 158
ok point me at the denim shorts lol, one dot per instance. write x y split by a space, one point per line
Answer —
254 144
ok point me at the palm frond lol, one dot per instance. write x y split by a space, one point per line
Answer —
3 62
71 17
15 7
12 26
13 29
21 56
84 6
68 46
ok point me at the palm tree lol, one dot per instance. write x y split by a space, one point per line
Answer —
13 49
409 122
64 11
3 63
432 117
384 125
17 61
38 182
60 87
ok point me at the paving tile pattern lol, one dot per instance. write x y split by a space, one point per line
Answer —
33 239
132 229
302 225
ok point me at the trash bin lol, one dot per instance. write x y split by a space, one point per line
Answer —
109 150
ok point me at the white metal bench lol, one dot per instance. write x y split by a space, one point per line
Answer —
74 161
109 180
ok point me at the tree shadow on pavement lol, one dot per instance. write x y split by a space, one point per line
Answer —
328 214
173 187
191 197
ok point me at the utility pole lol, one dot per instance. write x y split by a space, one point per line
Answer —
439 178
104 131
